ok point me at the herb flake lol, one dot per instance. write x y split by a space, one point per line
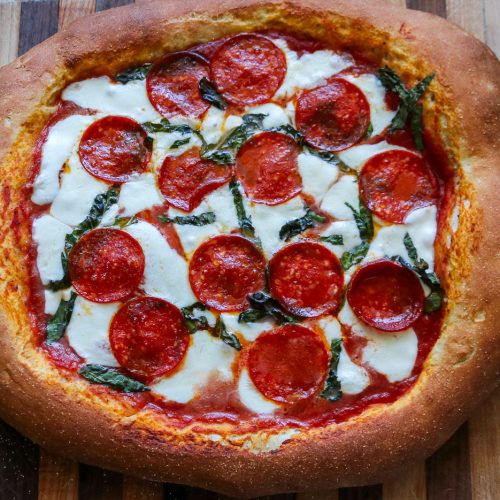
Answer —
334 239
208 92
228 338
138 73
296 226
354 256
189 220
332 390
98 374
244 220
262 305
195 322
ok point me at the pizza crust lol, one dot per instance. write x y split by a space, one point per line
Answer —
61 412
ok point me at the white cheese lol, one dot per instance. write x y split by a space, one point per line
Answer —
276 116
52 299
165 272
317 175
249 331
61 140
342 192
251 397
207 356
139 194
349 232
162 142
88 331
232 121
357 156
112 98
211 126
49 235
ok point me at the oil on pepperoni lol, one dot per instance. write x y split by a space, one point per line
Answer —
386 296
248 69
224 270
267 166
394 183
106 265
307 279
333 117
173 84
288 364
114 149
186 179
148 337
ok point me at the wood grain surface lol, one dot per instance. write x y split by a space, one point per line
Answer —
466 467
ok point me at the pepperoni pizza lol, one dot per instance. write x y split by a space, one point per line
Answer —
250 244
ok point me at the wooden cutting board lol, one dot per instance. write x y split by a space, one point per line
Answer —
466 467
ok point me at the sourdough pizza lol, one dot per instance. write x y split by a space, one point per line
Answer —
254 240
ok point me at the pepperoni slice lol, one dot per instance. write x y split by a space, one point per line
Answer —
224 270
333 117
148 337
186 179
248 69
268 169
173 84
106 265
394 183
307 279
386 296
115 148
288 364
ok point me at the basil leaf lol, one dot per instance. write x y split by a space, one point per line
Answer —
98 374
220 156
334 160
416 127
189 220
290 131
354 256
101 204
166 127
228 338
56 326
296 226
208 92
410 247
332 390
193 322
261 305
433 301
138 73
244 220
391 81
363 219
369 131
334 239
123 222
180 142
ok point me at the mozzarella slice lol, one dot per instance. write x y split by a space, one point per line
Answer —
349 232
252 398
139 194
163 142
102 94
207 357
52 299
88 331
317 175
49 235
357 156
211 126
342 192
60 141
249 331
165 272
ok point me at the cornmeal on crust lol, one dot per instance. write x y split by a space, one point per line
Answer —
462 113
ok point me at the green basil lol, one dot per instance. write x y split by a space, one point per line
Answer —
56 326
208 92
193 322
334 239
166 127
189 220
332 390
369 131
123 222
98 374
296 226
180 142
334 160
354 256
262 305
102 202
228 338
244 220
409 109
290 131
138 73
363 219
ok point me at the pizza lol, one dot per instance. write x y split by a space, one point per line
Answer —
257 240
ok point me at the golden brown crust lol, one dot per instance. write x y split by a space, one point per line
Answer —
464 114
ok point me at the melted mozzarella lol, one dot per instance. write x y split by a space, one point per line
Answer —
357 156
162 143
61 140
349 232
309 70
112 98
317 175
211 126
342 192
49 235
269 219
251 397
139 194
276 115
249 331
165 272
380 115
207 356
88 331
52 299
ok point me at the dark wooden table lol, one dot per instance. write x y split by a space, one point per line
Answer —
466 467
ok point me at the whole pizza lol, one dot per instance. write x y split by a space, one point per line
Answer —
250 245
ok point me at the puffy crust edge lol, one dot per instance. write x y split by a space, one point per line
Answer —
463 367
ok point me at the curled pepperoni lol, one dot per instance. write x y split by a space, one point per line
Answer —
386 296
394 183
306 278
333 117
224 270
173 84
148 337
268 169
115 148
288 364
248 69
186 179
106 265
